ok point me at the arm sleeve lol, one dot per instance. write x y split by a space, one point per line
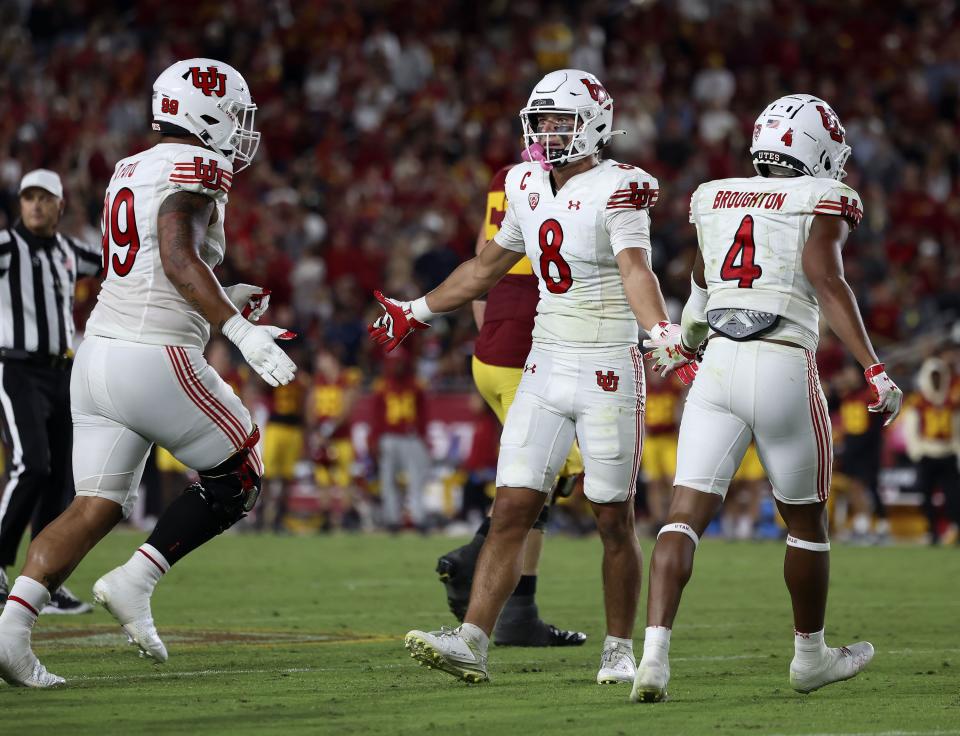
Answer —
89 258
200 172
839 200
510 235
628 229
627 214
693 207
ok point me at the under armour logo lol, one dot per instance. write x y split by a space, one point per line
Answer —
573 205
210 82
530 368
608 382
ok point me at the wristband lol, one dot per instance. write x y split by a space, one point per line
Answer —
875 370
421 312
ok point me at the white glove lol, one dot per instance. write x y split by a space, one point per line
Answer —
887 397
259 349
250 301
669 353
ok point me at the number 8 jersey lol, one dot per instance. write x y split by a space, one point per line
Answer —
137 302
752 232
572 238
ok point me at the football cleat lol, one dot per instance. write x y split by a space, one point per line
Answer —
455 570
837 664
20 667
127 601
63 602
616 665
448 651
650 683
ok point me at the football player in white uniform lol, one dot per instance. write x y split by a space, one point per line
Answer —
769 264
585 226
140 377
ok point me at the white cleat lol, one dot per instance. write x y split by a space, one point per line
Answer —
836 665
20 667
129 603
448 651
616 665
650 684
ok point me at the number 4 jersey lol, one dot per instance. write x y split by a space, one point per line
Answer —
752 232
137 301
572 238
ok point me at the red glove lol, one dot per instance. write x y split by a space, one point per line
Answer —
887 397
395 324
670 354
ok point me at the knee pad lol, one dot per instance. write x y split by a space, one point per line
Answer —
541 522
232 488
682 529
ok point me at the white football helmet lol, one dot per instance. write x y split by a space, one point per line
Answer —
803 133
211 100
570 92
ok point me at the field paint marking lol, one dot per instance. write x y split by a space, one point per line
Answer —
876 733
206 673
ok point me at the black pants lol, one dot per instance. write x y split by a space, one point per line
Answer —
942 473
35 403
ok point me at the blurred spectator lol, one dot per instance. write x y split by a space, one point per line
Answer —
398 432
932 429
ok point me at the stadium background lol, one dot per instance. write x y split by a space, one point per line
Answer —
383 123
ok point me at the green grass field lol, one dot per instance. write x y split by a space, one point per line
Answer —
279 635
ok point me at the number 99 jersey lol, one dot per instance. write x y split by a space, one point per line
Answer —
572 238
752 232
137 301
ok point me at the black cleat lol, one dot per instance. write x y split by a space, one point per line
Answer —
64 602
520 625
537 633
456 573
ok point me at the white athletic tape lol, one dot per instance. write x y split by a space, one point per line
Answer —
683 529
812 546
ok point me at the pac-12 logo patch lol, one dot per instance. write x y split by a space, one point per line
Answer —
608 381
534 199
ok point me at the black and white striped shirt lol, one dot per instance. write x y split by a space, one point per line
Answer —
37 280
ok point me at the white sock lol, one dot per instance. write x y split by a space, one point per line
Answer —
808 648
27 598
147 566
861 524
624 643
475 634
656 643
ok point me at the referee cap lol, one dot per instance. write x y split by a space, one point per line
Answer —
44 179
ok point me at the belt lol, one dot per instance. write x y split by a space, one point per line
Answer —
38 359
785 343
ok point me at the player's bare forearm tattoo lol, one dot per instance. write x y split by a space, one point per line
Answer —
181 224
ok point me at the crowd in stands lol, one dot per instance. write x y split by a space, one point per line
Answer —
383 123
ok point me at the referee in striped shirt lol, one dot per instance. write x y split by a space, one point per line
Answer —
39 268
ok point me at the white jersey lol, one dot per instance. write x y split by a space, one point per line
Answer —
572 238
137 302
752 233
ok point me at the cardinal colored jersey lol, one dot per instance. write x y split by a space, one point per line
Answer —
572 238
329 400
662 407
752 233
137 301
506 335
937 422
